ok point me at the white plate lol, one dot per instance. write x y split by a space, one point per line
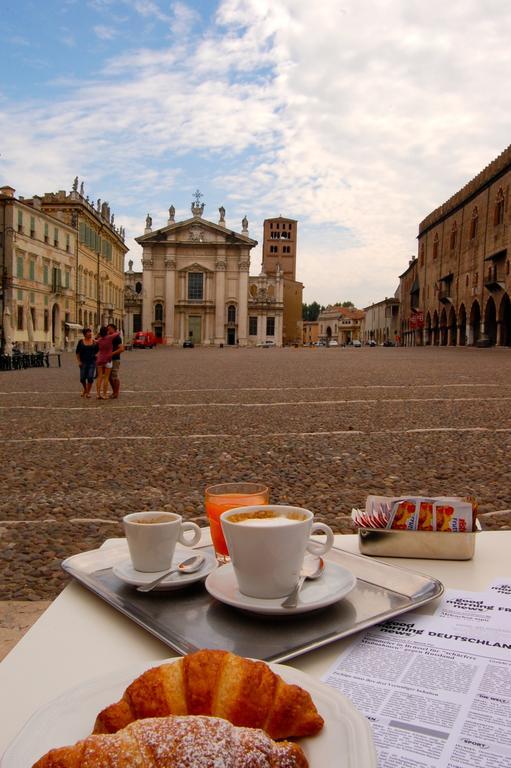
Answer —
333 585
345 741
124 570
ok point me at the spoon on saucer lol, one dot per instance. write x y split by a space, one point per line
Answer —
190 565
311 570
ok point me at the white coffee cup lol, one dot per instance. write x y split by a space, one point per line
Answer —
267 545
152 538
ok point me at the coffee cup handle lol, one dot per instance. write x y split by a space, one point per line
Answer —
317 547
196 535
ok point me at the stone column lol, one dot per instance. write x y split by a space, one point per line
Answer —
459 340
278 329
170 296
220 278
244 266
148 296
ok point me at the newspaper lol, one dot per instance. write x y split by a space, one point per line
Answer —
436 689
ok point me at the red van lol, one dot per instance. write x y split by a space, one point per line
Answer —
144 340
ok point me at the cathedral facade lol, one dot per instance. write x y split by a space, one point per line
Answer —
196 284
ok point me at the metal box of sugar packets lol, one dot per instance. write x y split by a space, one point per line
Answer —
427 545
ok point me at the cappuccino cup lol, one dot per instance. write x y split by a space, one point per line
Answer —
267 545
152 538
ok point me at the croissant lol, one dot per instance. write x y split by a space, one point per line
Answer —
178 742
221 684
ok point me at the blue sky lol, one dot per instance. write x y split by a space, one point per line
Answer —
356 117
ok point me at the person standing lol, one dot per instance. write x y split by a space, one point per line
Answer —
86 351
104 341
117 349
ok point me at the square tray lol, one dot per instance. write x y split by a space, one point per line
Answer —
190 619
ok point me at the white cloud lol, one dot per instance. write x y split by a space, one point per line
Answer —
104 32
356 120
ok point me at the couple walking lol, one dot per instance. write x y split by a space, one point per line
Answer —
100 357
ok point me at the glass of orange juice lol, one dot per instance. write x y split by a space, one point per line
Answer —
224 496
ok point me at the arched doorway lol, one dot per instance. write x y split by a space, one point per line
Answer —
474 327
435 328
490 321
463 325
55 325
428 330
443 328
451 328
505 321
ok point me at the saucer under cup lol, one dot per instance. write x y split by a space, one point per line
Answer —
267 546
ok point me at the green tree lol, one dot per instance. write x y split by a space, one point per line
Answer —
311 311
344 304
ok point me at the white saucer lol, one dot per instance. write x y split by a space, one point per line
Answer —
333 585
125 571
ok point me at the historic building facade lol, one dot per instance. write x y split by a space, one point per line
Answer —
458 289
133 287
62 267
344 324
381 322
38 267
196 284
280 237
100 253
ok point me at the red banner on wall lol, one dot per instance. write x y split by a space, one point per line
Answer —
417 320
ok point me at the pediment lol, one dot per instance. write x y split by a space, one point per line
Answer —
195 267
195 230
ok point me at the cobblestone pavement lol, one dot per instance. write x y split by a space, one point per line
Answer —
324 427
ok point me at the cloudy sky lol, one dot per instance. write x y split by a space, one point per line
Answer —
356 117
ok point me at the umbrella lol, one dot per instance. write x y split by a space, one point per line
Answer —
30 328
7 330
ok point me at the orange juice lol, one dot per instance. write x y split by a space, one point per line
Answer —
220 498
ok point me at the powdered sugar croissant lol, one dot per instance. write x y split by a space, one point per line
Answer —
178 742
221 684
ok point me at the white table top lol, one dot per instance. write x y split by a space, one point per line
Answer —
80 637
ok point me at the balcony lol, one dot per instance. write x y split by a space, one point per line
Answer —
444 295
493 284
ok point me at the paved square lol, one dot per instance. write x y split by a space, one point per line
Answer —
324 427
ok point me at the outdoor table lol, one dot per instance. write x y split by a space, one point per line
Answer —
80 637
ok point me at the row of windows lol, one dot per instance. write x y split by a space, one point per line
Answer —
275 249
22 320
474 226
48 232
252 326
231 318
89 237
285 225
56 273
280 235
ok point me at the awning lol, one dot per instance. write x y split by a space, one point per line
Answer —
74 326
415 287
497 255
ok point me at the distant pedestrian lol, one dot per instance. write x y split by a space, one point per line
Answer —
86 351
105 341
117 349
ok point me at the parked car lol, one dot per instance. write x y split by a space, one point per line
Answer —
266 343
371 343
388 343
356 343
144 340
188 344
333 343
